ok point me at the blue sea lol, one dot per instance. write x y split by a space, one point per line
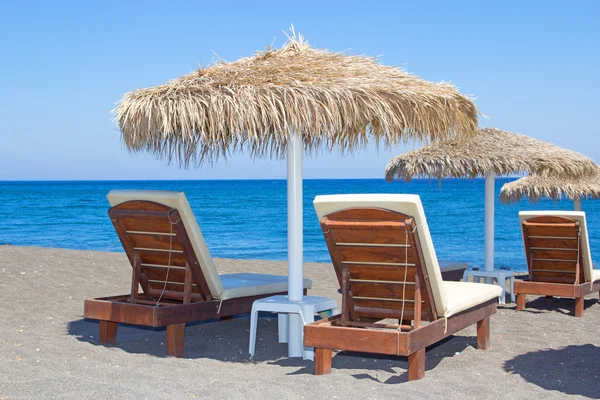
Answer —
247 219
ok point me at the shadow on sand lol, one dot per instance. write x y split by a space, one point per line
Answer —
385 363
563 305
571 370
228 341
224 341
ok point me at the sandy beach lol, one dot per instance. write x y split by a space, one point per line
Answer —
47 350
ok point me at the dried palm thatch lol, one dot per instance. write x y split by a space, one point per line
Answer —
490 151
254 103
535 187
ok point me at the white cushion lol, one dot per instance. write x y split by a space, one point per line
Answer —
246 284
577 216
596 275
409 204
221 286
463 295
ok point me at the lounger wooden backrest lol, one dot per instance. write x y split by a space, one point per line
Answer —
553 248
379 263
159 249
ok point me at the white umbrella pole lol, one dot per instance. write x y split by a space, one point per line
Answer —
577 204
294 203
489 223
295 241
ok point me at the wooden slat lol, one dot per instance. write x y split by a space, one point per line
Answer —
170 295
559 266
161 258
366 214
376 254
380 236
175 275
165 242
552 230
366 313
382 272
552 243
383 304
375 325
135 205
176 278
144 233
146 225
155 250
396 290
550 219
554 277
171 287
163 266
554 254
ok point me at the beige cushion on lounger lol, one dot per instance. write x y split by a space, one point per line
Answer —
463 295
410 204
221 286
589 274
247 284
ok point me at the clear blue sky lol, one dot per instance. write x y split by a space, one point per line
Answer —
532 65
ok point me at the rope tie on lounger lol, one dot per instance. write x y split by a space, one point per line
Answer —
169 260
399 330
113 245
116 241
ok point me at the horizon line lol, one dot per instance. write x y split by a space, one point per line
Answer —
231 179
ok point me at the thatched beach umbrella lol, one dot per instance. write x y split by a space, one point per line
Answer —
535 187
491 153
281 102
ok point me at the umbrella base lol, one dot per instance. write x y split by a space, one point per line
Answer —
500 276
290 332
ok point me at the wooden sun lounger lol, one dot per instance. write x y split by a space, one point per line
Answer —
379 260
177 283
558 257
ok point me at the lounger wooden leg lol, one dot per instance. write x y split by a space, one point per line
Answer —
549 299
579 306
483 334
108 332
226 319
520 301
323 361
416 365
175 340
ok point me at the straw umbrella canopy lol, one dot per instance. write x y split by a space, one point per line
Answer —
280 102
491 152
254 103
535 187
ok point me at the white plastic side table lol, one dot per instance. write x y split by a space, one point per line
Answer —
500 276
307 308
